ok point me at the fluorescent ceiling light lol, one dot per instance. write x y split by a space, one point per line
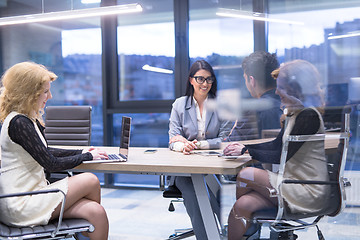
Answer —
147 67
71 14
349 34
224 12
90 1
221 67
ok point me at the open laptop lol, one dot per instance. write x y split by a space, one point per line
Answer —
122 156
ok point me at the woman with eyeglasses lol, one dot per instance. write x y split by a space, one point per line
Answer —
192 126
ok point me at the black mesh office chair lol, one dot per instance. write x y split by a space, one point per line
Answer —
282 223
174 193
246 128
57 229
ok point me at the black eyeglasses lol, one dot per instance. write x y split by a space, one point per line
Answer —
201 79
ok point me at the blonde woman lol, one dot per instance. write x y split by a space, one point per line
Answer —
298 85
25 155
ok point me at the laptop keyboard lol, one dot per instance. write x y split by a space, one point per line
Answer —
113 156
117 157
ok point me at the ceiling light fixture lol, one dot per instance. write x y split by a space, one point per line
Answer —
222 67
224 12
90 1
71 14
349 34
147 67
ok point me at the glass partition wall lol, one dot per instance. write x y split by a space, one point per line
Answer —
136 64
223 42
69 48
327 34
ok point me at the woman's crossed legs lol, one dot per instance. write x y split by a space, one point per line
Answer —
83 201
251 195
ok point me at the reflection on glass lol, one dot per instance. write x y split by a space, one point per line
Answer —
327 48
147 129
146 49
328 39
223 42
81 77
67 52
331 48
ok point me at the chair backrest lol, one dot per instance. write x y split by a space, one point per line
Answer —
333 118
68 125
246 128
335 162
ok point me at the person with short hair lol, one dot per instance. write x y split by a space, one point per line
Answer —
257 69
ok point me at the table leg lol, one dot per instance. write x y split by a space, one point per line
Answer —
213 183
206 210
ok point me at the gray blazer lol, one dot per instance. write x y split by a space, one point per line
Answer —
183 121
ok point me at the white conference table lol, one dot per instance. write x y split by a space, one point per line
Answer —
202 170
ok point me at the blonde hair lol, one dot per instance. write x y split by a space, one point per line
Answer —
22 85
305 80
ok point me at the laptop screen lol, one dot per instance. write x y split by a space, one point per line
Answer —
125 136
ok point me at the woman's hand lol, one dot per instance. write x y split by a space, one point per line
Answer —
96 153
233 149
189 146
178 138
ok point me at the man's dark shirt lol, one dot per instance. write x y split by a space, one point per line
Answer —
269 118
246 128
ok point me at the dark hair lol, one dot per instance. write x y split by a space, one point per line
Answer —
198 65
260 64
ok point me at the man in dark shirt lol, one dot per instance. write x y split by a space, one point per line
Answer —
257 69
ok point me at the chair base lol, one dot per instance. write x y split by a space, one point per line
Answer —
289 235
181 234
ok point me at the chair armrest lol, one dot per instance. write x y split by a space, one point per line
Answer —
53 234
29 193
272 192
346 182
287 181
317 137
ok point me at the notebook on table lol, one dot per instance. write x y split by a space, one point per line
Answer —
122 156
